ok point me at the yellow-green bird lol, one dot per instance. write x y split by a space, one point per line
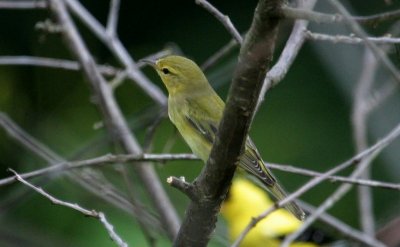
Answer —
196 110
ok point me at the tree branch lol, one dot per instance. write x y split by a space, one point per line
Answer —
115 46
213 182
357 159
349 39
22 5
355 27
224 19
164 157
342 227
114 119
88 179
112 21
360 136
92 213
289 53
317 17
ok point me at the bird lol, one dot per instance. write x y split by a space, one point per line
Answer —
196 111
245 201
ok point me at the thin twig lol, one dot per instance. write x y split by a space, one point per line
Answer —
88 179
183 186
306 172
342 227
360 134
113 117
164 157
317 17
105 70
120 52
330 201
92 213
141 209
288 55
54 63
224 19
22 5
355 27
112 20
360 157
349 39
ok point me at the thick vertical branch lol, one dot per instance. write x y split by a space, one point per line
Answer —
113 117
213 182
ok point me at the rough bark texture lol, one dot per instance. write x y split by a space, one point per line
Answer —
213 182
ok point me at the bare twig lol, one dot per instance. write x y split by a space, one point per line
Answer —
21 5
106 70
360 157
289 53
114 118
224 19
92 213
342 227
360 133
54 63
306 172
296 13
112 21
164 157
115 46
141 209
330 201
183 186
350 39
355 27
89 180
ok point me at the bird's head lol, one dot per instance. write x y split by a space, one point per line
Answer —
179 74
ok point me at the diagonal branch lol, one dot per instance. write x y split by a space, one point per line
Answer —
114 118
224 19
355 27
87 179
92 213
114 44
288 55
213 182
360 158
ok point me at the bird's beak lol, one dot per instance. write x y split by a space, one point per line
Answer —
150 62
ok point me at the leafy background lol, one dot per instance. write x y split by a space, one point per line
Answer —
305 121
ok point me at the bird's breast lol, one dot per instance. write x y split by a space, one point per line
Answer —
177 112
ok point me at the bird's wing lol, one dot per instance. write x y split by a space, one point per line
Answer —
203 122
252 162
203 126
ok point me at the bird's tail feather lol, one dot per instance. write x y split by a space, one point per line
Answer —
278 192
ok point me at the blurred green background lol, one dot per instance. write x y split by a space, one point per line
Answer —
304 121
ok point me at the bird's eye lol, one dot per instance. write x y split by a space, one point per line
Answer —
165 71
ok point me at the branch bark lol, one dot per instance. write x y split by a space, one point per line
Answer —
213 182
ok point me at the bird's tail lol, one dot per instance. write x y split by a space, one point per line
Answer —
278 192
